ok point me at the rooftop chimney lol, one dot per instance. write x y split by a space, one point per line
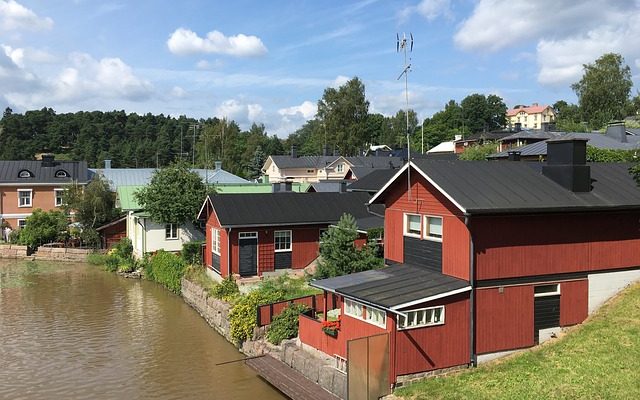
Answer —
514 155
47 160
617 131
517 126
218 165
343 187
566 164
107 164
294 151
288 186
275 187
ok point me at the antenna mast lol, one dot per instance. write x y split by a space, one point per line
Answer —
402 44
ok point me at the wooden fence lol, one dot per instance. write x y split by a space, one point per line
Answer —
267 312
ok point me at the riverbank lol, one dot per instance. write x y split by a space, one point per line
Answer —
20 252
313 365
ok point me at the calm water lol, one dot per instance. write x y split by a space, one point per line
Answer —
76 332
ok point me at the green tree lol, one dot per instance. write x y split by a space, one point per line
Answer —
483 114
44 227
174 194
603 92
478 152
92 205
256 163
338 252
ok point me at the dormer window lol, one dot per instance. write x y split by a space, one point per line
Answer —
62 174
25 174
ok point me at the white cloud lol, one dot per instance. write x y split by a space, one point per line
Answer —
178 92
206 65
254 112
307 110
14 16
428 9
21 55
14 78
184 41
339 81
239 111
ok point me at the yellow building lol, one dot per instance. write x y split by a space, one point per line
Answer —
530 117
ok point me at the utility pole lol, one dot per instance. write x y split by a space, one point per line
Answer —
402 45
193 148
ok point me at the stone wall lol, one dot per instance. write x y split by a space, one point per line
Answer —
315 367
62 254
13 251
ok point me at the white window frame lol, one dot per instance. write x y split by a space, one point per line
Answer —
24 221
215 241
370 311
30 191
340 167
350 306
414 314
275 234
248 235
425 228
55 197
405 228
171 228
554 292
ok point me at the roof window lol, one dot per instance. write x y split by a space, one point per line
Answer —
25 173
62 174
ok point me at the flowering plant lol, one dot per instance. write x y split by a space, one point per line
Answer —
331 327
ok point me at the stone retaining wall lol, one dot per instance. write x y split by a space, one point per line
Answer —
62 254
313 366
13 251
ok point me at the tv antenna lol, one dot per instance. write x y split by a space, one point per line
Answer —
403 45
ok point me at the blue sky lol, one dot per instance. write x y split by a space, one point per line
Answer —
270 61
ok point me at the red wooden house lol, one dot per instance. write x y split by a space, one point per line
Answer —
250 234
486 257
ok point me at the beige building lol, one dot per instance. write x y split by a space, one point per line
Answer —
530 117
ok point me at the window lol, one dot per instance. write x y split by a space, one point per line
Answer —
282 240
376 317
433 227
62 174
24 197
353 308
215 241
311 171
424 317
412 225
546 290
25 174
248 235
171 231
58 195
340 168
22 223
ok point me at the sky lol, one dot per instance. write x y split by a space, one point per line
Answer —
270 61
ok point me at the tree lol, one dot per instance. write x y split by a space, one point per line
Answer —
603 91
483 114
339 255
478 152
174 194
93 205
44 227
256 163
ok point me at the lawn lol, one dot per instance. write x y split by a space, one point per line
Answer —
599 359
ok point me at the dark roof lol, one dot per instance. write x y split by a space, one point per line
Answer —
485 187
485 136
373 181
328 185
77 171
323 161
530 134
287 208
392 287
370 222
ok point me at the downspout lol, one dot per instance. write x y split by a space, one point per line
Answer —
472 311
229 272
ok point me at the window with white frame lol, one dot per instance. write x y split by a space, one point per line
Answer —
340 168
432 227
282 240
353 308
412 225
423 317
58 194
22 223
376 317
171 231
546 290
24 197
215 240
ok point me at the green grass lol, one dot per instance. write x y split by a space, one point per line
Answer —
597 360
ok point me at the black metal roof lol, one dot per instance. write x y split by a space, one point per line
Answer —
373 181
76 171
485 187
287 208
393 286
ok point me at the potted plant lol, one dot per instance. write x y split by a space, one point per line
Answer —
331 328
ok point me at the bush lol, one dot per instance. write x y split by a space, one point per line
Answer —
97 259
285 325
192 253
167 269
112 263
226 290
14 236
43 227
124 248
90 237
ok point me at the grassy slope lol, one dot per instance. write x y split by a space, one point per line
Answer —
597 360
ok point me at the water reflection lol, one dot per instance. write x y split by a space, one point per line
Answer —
75 332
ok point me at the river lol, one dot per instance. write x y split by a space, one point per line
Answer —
73 331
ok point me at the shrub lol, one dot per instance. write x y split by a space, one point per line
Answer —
112 263
225 290
90 237
243 315
43 227
124 248
192 253
285 325
97 259
167 269
14 236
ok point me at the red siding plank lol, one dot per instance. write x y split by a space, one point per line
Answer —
574 302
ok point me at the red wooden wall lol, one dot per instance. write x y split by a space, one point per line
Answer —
514 246
212 222
574 302
114 233
426 200
436 347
